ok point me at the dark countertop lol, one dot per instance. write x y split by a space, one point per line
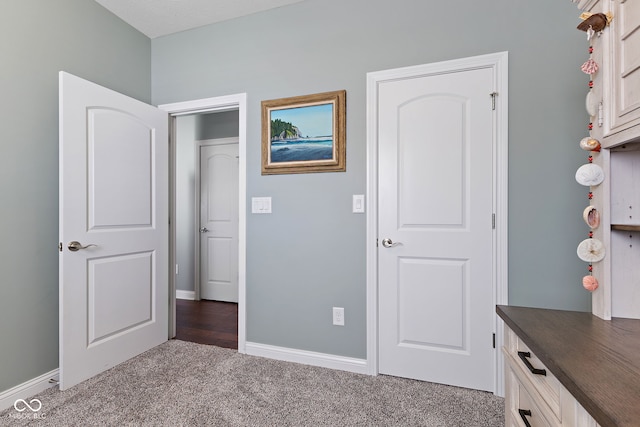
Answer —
597 361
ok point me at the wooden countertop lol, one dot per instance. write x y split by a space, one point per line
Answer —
597 361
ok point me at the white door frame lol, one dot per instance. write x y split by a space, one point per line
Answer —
198 199
212 105
498 62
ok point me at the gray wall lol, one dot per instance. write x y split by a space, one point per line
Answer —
309 255
37 39
189 129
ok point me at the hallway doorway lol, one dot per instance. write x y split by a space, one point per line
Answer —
193 121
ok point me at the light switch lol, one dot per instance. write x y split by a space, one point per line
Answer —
261 205
358 203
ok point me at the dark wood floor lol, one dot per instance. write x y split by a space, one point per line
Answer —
207 322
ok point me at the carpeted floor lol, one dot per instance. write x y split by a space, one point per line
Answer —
188 384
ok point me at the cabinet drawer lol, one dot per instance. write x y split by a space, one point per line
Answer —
522 408
530 367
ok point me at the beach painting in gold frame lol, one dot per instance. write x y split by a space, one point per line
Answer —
304 134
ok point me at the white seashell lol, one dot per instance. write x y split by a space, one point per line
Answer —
589 175
592 104
591 250
590 144
591 216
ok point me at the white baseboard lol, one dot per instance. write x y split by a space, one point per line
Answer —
185 294
331 361
28 389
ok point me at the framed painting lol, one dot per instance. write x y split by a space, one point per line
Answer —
304 134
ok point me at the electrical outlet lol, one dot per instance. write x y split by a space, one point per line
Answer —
338 316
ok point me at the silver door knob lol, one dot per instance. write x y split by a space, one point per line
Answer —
388 243
76 246
204 230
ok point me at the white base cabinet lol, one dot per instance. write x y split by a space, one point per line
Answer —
533 395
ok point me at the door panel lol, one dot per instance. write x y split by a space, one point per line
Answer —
419 280
435 203
111 278
219 216
119 153
426 156
114 202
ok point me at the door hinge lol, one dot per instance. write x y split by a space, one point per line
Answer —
493 99
493 221
494 340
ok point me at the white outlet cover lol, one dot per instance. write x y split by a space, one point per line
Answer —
261 205
338 316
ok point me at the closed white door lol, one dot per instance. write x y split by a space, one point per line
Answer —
113 228
219 222
435 206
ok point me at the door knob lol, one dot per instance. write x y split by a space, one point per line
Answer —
76 246
204 230
388 243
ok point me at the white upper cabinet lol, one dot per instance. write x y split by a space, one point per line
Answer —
622 62
615 118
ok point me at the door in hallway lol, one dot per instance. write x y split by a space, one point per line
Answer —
219 222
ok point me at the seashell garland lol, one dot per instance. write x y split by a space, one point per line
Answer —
589 175
591 250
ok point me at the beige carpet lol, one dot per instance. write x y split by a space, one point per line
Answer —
187 384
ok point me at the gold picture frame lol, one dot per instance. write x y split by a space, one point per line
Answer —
304 134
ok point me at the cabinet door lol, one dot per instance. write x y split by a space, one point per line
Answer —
624 82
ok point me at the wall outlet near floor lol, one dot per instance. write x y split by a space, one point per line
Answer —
338 316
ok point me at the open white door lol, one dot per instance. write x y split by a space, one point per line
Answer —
114 206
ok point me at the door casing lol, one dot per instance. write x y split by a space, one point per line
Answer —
211 105
498 62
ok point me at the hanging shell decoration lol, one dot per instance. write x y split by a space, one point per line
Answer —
591 216
596 22
590 144
591 104
590 175
590 67
590 283
591 250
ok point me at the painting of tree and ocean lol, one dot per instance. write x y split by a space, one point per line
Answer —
302 134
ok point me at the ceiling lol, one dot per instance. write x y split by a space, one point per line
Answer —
156 18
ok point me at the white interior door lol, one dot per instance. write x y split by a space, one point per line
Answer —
435 205
219 222
114 205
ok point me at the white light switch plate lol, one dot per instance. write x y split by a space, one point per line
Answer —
261 205
358 203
